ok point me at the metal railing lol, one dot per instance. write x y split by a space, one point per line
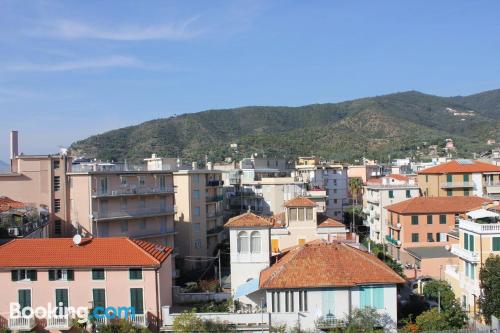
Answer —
139 320
392 240
214 198
480 228
215 230
22 323
134 191
457 184
214 183
133 213
59 321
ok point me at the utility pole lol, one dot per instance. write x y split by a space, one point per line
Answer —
439 301
220 275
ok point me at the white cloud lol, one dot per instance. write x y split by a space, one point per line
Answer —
69 29
106 62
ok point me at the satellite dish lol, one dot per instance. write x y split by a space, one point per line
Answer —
77 239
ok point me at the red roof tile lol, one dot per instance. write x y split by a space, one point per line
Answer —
434 205
456 167
322 264
300 202
92 252
399 177
327 222
7 204
248 219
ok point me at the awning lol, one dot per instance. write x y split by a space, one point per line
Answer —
247 288
481 213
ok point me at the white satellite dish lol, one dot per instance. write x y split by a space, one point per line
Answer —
77 239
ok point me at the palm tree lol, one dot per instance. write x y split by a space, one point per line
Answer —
355 187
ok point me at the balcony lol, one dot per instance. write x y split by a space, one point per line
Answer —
149 234
133 214
479 228
139 320
457 185
215 215
215 231
452 271
22 323
467 255
395 226
214 183
130 191
393 241
214 198
59 322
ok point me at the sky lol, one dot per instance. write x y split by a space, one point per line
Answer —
71 69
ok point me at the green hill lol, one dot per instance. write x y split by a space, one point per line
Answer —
374 127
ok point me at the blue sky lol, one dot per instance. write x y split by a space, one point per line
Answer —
70 69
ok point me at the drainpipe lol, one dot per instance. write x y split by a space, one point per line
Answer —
350 301
159 318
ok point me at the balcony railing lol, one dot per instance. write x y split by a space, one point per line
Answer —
150 233
130 191
457 185
139 320
480 228
392 240
215 183
62 322
214 215
215 231
214 198
470 256
124 214
22 323
493 188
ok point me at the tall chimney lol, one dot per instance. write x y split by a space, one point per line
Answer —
14 144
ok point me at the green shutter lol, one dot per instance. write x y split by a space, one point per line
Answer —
136 300
97 274
442 219
496 244
32 275
466 177
378 297
52 275
61 297
414 219
135 273
99 297
24 297
14 275
449 178
429 219
471 242
466 241
70 274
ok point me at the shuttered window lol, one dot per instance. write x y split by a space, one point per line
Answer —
62 301
136 300
97 274
24 298
371 296
135 273
99 298
496 243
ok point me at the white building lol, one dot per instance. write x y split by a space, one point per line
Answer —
382 192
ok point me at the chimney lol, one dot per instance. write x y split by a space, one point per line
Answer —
14 144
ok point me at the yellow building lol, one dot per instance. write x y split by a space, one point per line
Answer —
461 178
479 237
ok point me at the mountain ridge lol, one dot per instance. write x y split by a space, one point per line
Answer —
393 124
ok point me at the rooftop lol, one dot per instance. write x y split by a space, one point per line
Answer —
429 252
7 204
433 205
321 264
327 222
248 219
300 202
461 166
92 252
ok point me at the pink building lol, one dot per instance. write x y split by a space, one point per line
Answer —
98 272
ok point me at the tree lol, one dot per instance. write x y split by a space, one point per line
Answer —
364 320
432 320
355 187
489 275
451 310
188 322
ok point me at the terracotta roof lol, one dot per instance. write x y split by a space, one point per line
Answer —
92 252
432 205
278 220
327 222
300 202
322 264
248 219
457 167
399 177
7 204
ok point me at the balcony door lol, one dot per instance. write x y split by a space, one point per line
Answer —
136 300
103 185
62 301
24 298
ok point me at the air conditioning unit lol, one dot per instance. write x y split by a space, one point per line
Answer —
13 232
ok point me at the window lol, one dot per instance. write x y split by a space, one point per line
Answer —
391 194
466 177
255 242
124 226
303 300
24 298
56 164
242 242
196 211
309 214
371 297
123 181
469 270
449 192
61 275
287 301
97 273
301 214
57 183
292 307
273 301
293 214
62 301
104 185
275 245
414 220
163 182
429 219
468 242
196 179
414 238
142 224
123 204
196 194
136 300
408 193
135 273
196 227
99 298
57 227
442 219
278 303
449 178
141 180
429 237
142 203
23 275
57 205
466 193
426 178
197 244
495 243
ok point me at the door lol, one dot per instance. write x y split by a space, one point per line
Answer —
104 185
99 299
24 298
62 301
136 300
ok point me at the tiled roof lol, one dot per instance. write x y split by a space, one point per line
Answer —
322 264
7 204
278 220
248 219
92 252
457 167
327 222
300 202
399 177
433 205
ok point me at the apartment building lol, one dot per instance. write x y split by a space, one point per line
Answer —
40 180
21 220
461 178
479 238
200 214
381 192
111 200
331 178
424 222
87 273
364 171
